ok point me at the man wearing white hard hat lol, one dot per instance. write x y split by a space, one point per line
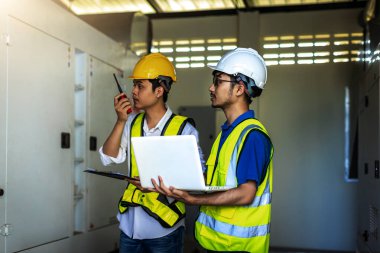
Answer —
236 220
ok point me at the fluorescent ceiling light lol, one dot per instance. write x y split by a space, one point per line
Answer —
182 59
182 42
305 54
229 40
198 5
213 58
270 38
270 63
270 56
213 41
229 47
83 7
182 65
214 48
309 61
321 60
197 65
287 45
182 49
271 45
197 58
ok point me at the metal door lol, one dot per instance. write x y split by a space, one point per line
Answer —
205 120
3 100
369 179
103 193
38 169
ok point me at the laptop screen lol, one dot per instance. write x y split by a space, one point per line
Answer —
175 158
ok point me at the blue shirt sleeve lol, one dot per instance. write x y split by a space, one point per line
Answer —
254 158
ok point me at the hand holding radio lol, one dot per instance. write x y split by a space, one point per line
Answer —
122 94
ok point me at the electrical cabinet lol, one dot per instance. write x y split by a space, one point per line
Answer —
39 127
369 180
56 109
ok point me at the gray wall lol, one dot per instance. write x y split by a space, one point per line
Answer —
313 207
303 108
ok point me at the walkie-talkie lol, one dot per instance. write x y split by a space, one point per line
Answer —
121 91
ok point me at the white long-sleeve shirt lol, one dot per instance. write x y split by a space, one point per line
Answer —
136 223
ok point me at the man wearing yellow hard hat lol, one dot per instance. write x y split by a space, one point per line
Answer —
149 221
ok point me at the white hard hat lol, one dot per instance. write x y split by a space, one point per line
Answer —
245 61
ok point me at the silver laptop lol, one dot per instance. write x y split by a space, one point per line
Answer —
175 158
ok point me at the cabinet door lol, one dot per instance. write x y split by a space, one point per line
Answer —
374 178
103 193
3 99
39 109
369 186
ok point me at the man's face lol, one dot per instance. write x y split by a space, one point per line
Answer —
143 94
220 90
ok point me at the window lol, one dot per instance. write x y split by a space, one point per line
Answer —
312 48
194 53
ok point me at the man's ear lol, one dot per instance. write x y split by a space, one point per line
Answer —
159 91
240 89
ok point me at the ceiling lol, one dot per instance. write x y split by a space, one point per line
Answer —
84 7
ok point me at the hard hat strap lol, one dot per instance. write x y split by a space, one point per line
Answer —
165 82
249 83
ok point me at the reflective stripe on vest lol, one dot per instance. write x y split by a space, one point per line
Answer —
228 229
156 205
235 228
231 176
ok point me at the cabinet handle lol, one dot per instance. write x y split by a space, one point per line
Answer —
377 169
365 235
93 143
65 140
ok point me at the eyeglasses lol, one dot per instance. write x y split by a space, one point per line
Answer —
217 81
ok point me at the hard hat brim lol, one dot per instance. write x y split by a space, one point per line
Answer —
146 78
214 67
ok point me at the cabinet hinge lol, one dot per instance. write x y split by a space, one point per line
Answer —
5 229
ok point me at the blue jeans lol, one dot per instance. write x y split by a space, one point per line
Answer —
171 243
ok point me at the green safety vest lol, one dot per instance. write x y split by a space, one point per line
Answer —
155 204
235 228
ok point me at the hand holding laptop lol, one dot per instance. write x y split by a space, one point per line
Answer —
172 192
137 183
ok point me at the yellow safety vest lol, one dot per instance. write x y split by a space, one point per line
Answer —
235 228
155 204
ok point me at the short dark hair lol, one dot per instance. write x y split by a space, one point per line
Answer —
256 91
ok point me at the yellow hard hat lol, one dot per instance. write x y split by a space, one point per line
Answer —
152 66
